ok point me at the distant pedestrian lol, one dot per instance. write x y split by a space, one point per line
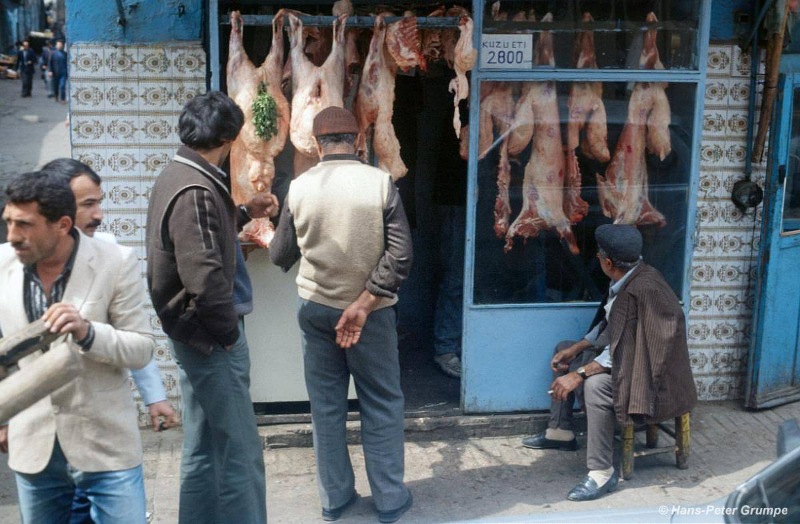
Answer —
57 68
47 50
347 221
26 66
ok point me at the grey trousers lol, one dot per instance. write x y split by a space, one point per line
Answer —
561 411
601 421
375 367
222 466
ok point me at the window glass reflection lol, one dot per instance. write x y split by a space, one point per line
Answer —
558 159
791 199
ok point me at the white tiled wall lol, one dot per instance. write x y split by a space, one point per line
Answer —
726 247
124 107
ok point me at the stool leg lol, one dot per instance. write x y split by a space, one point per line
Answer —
682 447
652 435
627 452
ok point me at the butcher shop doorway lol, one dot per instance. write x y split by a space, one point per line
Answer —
433 191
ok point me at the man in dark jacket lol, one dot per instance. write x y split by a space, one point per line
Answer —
57 71
643 374
26 65
194 267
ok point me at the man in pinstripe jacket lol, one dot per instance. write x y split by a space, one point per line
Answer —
644 374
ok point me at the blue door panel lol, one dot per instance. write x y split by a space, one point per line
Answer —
507 354
773 361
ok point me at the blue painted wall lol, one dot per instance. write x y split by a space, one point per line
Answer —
722 18
145 21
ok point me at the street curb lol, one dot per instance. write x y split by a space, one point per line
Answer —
276 434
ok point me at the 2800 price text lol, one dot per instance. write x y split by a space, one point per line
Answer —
505 57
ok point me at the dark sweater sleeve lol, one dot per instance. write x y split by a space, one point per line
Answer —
194 229
395 264
283 249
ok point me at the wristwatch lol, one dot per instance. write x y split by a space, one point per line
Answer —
581 371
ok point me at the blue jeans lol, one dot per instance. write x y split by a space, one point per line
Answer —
448 320
115 496
222 466
60 87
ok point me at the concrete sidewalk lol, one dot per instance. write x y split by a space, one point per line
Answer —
485 477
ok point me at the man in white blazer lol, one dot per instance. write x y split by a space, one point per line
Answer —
84 435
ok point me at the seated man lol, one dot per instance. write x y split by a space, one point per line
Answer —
643 375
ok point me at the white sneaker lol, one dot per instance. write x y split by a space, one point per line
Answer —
449 363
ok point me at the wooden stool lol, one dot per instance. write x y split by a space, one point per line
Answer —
681 447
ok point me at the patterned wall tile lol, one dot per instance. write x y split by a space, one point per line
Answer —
726 241
124 114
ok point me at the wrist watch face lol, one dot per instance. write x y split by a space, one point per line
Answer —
582 372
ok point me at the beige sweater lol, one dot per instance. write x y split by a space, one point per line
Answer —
338 210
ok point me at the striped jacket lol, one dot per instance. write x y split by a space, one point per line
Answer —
651 372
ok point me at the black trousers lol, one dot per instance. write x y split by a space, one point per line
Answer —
27 83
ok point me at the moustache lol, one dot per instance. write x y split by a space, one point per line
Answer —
94 224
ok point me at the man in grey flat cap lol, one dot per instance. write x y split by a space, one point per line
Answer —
344 221
642 374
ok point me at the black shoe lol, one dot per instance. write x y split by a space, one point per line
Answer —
588 490
539 441
395 514
329 515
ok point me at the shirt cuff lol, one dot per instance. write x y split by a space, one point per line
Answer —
604 359
88 340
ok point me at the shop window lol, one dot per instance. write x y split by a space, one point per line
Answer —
544 185
791 200
510 31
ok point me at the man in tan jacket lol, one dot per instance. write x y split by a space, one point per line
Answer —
85 434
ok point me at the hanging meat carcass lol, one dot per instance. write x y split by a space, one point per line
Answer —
252 157
463 60
403 44
623 192
544 184
313 88
586 108
352 58
375 105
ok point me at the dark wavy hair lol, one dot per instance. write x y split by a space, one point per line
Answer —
50 190
70 169
210 120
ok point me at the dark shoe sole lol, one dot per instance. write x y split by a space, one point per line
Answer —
393 516
331 515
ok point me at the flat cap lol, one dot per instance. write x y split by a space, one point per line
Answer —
334 120
620 242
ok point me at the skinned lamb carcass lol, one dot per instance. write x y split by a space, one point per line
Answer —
544 184
252 158
586 108
623 192
375 105
352 58
313 89
463 61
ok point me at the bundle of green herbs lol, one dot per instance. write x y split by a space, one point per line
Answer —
265 113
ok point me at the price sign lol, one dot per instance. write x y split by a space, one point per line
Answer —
507 51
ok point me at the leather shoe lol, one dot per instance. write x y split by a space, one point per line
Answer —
395 514
539 441
330 515
588 490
